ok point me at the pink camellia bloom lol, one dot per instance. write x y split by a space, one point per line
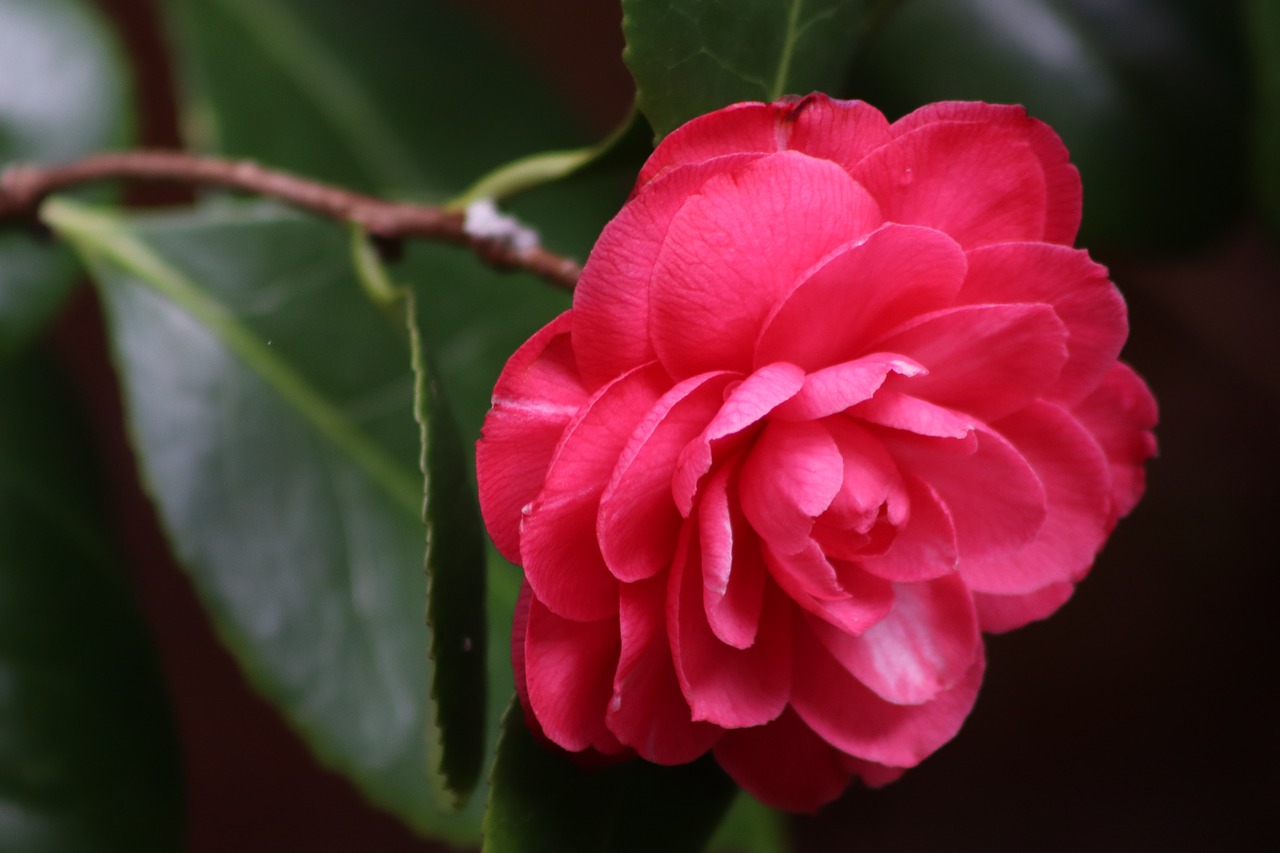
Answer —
835 395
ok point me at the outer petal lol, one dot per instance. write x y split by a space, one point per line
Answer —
784 764
843 131
558 546
537 395
860 291
1063 196
850 717
568 671
985 360
978 182
729 687
737 247
1080 292
611 300
1077 484
924 646
1000 613
648 712
1120 413
638 522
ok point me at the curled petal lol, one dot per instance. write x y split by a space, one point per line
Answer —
729 687
638 521
834 389
789 478
648 712
784 764
536 397
558 546
924 546
733 569
851 717
841 594
1120 414
706 316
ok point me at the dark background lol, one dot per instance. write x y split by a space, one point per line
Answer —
1140 717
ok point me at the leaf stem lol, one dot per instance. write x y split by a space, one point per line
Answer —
24 187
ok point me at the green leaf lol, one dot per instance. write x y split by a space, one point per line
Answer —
62 95
399 97
1263 26
456 559
690 57
541 801
750 827
271 406
88 755
1147 95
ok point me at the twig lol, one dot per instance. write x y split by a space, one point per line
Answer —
23 187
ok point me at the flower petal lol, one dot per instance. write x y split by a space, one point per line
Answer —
638 521
648 712
842 594
536 396
833 389
1120 414
729 687
858 292
789 478
558 546
924 646
568 671
985 360
733 569
849 716
737 247
1000 613
1077 487
745 405
925 544
784 764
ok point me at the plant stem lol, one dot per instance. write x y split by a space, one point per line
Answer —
24 187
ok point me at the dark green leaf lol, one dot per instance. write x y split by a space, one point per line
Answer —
62 95
1147 95
396 96
271 409
750 827
693 56
88 757
1263 25
455 552
541 801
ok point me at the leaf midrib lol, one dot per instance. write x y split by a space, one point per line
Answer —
104 235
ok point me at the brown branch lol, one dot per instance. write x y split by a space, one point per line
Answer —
23 187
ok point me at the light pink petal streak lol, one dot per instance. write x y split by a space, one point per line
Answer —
858 292
852 718
536 396
725 262
924 646
558 547
638 520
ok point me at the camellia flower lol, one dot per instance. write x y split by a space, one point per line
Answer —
834 396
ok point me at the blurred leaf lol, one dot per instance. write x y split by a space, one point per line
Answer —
456 560
541 801
690 57
271 409
1147 95
62 95
88 756
395 96
750 827
1262 19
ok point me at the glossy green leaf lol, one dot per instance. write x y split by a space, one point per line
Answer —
1262 19
541 802
693 56
271 406
750 827
456 560
398 96
88 755
1147 95
62 95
